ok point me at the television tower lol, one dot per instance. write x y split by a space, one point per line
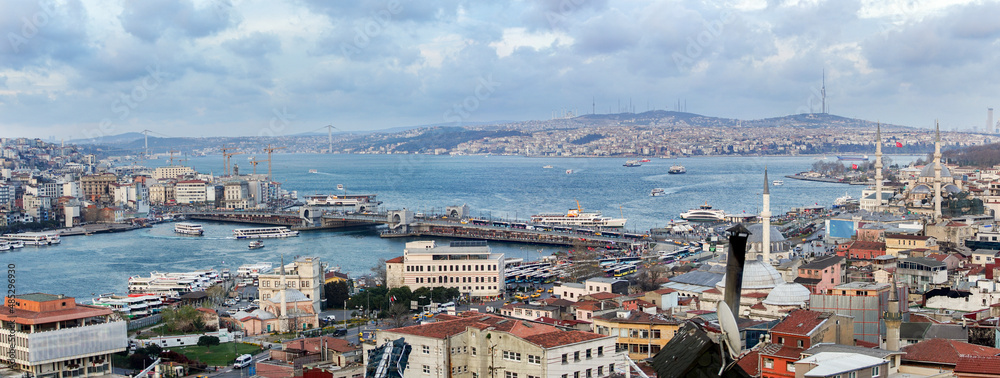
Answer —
822 91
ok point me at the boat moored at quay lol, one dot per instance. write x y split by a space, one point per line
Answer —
264 233
578 217
32 238
704 213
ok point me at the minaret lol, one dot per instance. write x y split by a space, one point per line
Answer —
765 216
878 166
937 173
892 320
283 318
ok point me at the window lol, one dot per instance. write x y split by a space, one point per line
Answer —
600 371
427 369
576 374
511 356
508 374
781 340
427 350
576 356
799 343
588 354
600 352
875 371
768 363
534 359
589 375
852 374
565 359
473 351
790 366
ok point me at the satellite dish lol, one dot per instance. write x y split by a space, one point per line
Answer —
730 331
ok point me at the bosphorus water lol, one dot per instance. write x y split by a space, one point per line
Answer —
492 186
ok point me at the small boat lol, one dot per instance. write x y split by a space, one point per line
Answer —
313 171
256 244
4 246
569 171
677 169
656 192
644 161
16 244
777 183
547 167
632 163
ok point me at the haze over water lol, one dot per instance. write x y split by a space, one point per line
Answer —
497 186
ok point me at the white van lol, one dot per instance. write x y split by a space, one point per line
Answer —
243 361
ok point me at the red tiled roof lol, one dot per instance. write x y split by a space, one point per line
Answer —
712 291
664 291
560 338
755 295
978 365
906 237
779 350
442 329
759 306
750 363
799 322
601 296
938 256
865 344
396 260
943 351
208 310
870 245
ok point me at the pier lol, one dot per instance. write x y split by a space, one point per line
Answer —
455 223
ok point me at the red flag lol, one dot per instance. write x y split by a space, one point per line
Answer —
854 166
899 144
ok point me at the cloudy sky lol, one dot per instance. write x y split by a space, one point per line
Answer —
72 68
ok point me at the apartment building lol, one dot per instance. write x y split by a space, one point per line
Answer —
469 266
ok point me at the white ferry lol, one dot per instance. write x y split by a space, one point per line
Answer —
656 192
33 238
578 217
188 229
252 270
704 213
777 183
256 244
4 245
264 233
131 306
173 284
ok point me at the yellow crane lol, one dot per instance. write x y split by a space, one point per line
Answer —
255 162
269 150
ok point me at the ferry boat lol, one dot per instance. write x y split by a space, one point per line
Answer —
777 183
313 171
853 158
704 213
256 244
341 200
252 270
656 192
172 284
632 163
4 245
132 305
843 200
677 169
33 238
188 228
264 233
578 217
15 244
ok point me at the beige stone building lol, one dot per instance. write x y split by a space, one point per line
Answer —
305 274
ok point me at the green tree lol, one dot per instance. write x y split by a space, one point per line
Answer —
336 293
208 341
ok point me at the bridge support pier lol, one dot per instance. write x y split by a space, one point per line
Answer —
399 218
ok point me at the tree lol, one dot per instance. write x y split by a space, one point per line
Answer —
336 293
216 293
208 341
646 279
379 272
397 315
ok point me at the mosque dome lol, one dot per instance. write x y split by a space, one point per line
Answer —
756 275
928 171
921 189
951 188
757 235
788 294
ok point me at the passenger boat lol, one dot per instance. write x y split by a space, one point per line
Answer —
15 244
188 228
341 200
632 163
657 192
33 238
704 213
252 270
677 169
4 245
569 171
313 171
264 233
256 244
578 217
777 183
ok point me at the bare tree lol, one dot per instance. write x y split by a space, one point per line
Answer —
378 271
397 315
585 265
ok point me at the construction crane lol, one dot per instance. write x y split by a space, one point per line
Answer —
255 162
225 158
269 150
172 152
228 156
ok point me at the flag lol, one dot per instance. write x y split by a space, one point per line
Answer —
854 166
898 144
392 299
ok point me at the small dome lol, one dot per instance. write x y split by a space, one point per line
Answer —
262 315
756 275
757 235
788 294
921 189
951 188
928 171
291 295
